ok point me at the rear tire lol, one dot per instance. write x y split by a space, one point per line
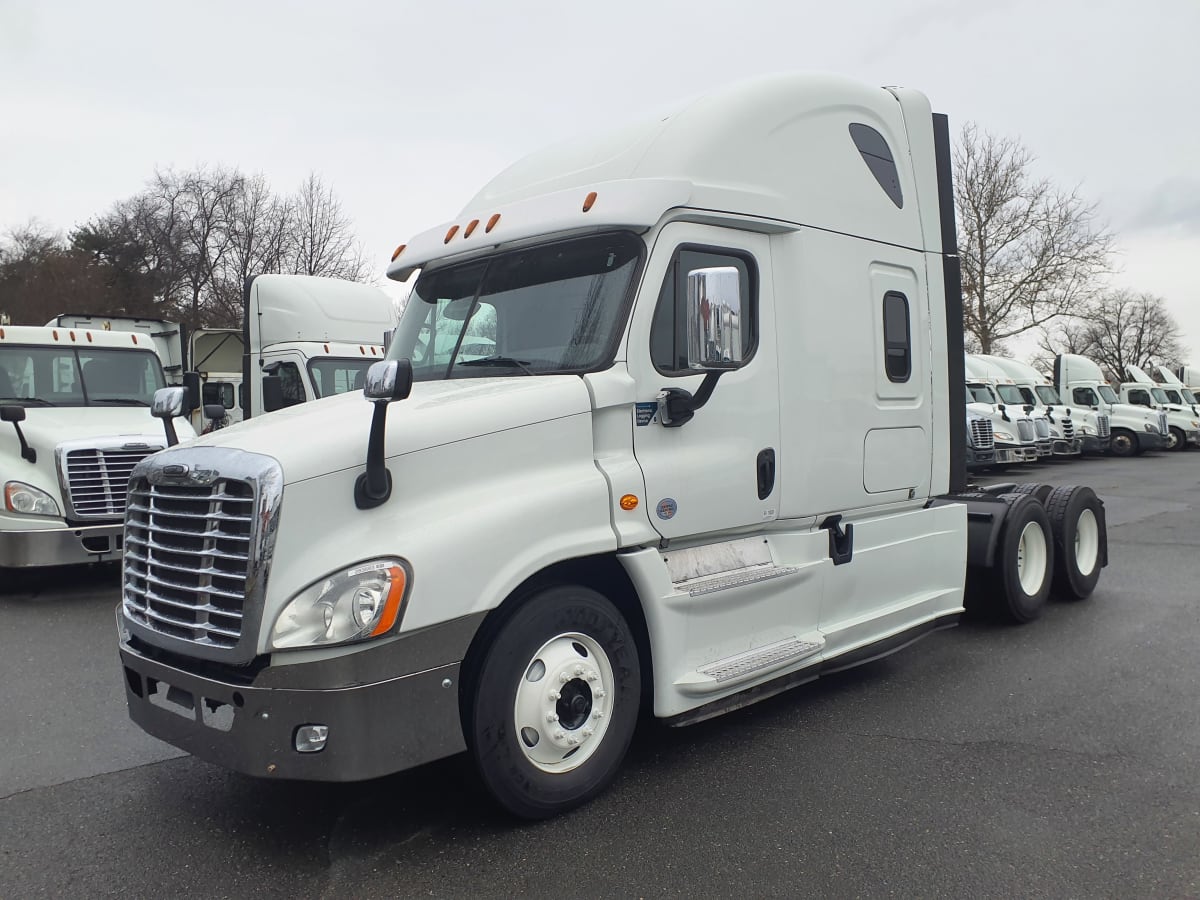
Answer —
554 702
1080 540
1035 489
1023 568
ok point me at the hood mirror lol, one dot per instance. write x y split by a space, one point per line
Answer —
16 415
168 403
387 381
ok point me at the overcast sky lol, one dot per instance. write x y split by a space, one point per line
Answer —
406 109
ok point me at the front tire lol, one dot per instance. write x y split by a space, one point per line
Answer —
554 703
1123 443
1176 439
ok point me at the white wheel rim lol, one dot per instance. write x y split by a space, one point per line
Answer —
1031 558
564 703
1087 542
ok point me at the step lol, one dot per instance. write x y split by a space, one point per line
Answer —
744 666
737 578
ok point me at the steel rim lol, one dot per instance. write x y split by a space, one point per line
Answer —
1031 558
564 703
1172 439
1087 542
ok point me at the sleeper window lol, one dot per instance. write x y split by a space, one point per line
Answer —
897 337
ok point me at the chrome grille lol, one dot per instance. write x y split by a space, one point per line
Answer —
97 479
1102 427
1025 430
1068 427
981 434
1042 427
187 558
1162 423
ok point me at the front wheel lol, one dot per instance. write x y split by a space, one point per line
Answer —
1176 439
1123 443
555 702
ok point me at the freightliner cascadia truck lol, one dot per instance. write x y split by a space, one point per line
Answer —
714 449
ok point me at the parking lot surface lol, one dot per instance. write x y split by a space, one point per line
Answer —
1058 759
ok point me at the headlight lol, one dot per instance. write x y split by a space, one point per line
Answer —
363 601
28 500
1003 436
1084 429
1195 424
1150 428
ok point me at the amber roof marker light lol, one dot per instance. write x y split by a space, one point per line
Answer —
450 234
492 223
589 201
398 251
471 226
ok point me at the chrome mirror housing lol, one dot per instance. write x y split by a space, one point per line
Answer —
388 380
168 402
715 318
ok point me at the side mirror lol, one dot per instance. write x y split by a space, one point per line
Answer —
16 415
214 411
715 318
168 403
191 384
387 381
272 393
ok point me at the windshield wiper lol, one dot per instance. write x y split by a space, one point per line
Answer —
522 364
28 401
118 401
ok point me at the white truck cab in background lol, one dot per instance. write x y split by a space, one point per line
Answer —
603 493
1183 427
306 337
1075 429
75 406
1013 429
1179 396
1049 439
1134 428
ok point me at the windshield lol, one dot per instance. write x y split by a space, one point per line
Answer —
1109 395
1173 395
1009 393
1188 396
1047 394
551 309
982 393
74 376
1160 396
335 375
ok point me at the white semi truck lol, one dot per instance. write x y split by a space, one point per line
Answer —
1179 395
623 506
1134 429
75 406
1183 427
1049 437
1076 429
1014 431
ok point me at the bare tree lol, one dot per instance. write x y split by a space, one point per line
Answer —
1121 328
321 242
1030 252
256 228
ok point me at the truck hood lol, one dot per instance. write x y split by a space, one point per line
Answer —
47 427
323 436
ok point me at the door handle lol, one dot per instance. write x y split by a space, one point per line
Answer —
766 473
841 543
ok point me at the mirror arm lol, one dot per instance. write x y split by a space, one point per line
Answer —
169 428
676 406
374 486
27 452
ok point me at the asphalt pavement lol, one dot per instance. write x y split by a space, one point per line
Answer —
1058 759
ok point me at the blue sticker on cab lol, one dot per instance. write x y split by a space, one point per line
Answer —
666 508
645 413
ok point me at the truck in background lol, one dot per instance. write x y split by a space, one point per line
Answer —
1076 429
1014 433
1048 438
1179 395
1182 428
76 410
1134 429
623 505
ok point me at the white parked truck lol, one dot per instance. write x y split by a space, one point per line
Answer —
1190 376
1183 427
624 505
1134 429
1075 429
1048 438
1179 395
1014 432
75 408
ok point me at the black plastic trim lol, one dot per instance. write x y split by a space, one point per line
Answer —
952 290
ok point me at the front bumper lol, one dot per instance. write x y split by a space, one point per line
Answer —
1063 447
980 459
1015 453
61 545
1192 438
375 728
1093 444
1148 441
